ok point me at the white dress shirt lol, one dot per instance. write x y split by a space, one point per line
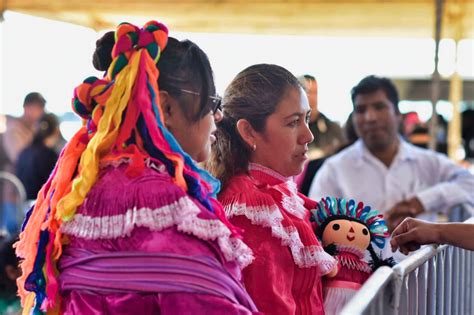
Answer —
355 173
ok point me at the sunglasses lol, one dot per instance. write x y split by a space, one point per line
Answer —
216 100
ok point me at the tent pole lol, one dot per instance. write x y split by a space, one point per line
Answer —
435 77
456 17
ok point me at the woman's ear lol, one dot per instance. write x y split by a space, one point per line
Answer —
168 107
246 131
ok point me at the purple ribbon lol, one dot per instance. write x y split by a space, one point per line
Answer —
125 272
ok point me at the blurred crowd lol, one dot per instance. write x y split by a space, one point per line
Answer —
30 147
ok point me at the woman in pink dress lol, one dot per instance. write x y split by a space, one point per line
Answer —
128 223
261 144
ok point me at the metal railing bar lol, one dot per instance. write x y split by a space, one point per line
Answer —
366 295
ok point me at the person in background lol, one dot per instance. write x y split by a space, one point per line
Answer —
20 131
328 136
409 121
419 136
9 272
37 160
384 170
468 132
262 142
441 133
412 233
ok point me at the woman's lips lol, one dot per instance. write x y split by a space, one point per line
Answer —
303 155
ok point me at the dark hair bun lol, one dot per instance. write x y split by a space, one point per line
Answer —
102 57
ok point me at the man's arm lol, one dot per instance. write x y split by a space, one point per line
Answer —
454 186
451 185
401 210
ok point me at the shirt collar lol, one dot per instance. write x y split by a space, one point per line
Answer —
405 151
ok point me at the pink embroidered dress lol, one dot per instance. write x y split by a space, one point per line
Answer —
143 246
285 277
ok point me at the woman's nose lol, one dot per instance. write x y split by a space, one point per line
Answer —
306 136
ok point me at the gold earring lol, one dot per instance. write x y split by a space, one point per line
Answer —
254 147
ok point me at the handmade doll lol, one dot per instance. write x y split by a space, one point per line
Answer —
347 229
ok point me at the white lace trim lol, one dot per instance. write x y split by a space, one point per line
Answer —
351 249
268 171
183 213
353 263
270 216
294 204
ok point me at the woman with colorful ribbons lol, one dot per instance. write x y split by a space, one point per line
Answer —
261 144
127 222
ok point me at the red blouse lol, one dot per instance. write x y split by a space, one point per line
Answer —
285 277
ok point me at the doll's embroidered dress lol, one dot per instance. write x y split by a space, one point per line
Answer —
353 271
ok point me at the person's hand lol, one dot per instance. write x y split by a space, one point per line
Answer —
333 272
412 233
404 209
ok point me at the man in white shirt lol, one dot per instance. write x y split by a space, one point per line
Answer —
386 172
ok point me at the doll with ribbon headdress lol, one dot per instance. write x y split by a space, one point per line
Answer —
347 229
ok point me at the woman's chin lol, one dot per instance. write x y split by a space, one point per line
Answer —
298 167
202 156
295 170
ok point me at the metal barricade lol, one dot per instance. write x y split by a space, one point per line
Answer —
433 280
18 202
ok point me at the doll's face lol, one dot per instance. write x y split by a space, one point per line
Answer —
346 232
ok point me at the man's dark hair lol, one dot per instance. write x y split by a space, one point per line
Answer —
373 83
306 80
34 97
47 126
309 77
